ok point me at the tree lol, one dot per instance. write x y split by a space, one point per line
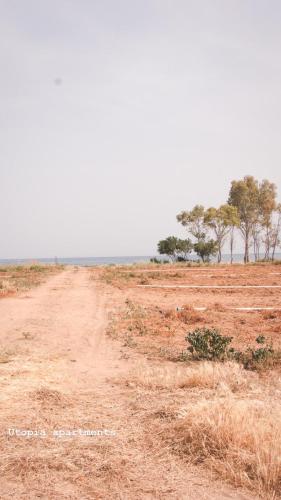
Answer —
194 221
275 232
184 247
231 240
257 233
175 247
244 195
205 249
267 205
221 220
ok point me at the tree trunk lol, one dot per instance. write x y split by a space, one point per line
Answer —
231 245
267 244
246 255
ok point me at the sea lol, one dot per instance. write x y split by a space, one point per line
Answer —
102 261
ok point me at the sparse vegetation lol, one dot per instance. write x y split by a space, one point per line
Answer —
24 277
251 208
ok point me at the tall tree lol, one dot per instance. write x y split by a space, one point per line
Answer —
231 240
267 205
221 220
257 237
275 232
244 195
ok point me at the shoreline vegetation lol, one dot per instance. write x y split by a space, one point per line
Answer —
251 209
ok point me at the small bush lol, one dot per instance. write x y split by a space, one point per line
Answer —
208 343
255 359
154 260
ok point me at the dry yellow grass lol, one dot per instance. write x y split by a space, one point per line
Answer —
24 277
202 375
240 439
230 420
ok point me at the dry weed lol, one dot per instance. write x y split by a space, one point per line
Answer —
188 315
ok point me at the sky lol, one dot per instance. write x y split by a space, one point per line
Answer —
116 115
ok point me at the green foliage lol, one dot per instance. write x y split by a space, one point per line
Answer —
244 195
206 249
208 343
194 221
221 221
251 207
260 339
222 218
175 247
258 358
267 201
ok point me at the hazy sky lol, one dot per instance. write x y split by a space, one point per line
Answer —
117 114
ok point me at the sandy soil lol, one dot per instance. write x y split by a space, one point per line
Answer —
219 305
58 371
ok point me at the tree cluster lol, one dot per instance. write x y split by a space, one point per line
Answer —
251 209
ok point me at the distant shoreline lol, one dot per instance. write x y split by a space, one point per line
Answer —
96 261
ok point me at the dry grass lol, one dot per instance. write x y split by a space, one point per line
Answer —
152 329
201 375
239 439
189 316
24 277
218 307
224 418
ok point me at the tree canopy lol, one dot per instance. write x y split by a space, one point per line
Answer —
175 248
251 208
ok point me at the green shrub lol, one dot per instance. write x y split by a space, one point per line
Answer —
260 358
208 343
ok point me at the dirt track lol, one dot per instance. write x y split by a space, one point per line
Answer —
59 374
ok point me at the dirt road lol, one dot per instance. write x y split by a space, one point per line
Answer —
60 372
